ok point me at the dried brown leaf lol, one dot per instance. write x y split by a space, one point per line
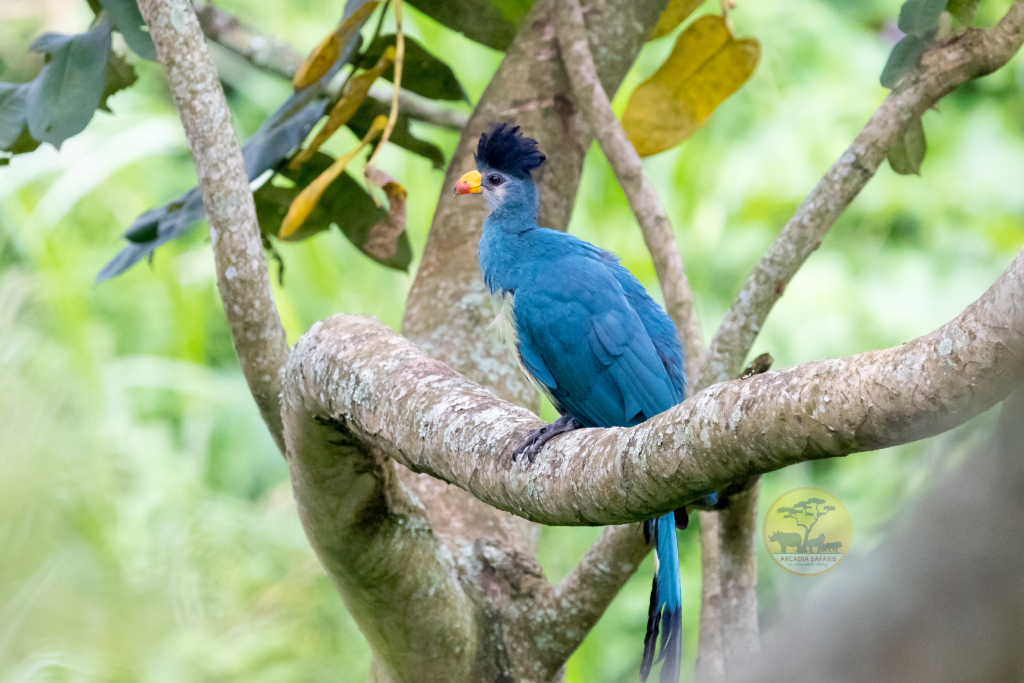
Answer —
382 242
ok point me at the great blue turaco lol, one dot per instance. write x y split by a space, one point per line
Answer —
586 332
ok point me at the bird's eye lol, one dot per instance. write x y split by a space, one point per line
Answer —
494 179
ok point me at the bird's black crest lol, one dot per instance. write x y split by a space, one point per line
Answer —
505 149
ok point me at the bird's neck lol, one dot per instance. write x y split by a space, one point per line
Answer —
502 244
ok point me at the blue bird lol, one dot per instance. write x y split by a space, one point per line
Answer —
586 332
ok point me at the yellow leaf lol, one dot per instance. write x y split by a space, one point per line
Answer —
706 66
318 62
355 92
307 200
674 14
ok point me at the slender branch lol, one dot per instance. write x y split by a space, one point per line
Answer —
737 533
710 653
629 171
581 598
277 58
421 108
427 417
242 278
970 55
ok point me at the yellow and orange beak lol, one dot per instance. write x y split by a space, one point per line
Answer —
469 183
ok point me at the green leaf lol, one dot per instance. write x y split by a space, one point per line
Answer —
422 72
963 10
907 154
484 21
24 144
706 66
126 18
12 112
513 10
264 150
904 57
920 17
344 203
401 135
120 75
62 99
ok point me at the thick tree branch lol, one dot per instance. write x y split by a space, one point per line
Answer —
377 544
277 58
432 420
961 58
370 533
643 199
242 278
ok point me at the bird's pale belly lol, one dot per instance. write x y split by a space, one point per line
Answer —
505 325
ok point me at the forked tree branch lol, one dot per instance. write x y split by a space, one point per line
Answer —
961 58
387 553
242 278
942 69
427 417
629 171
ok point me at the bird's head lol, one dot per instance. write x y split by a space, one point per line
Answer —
504 159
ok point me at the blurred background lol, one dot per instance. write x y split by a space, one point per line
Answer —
147 529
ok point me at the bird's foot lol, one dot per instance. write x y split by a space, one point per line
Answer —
532 444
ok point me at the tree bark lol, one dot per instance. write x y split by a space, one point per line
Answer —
242 278
427 417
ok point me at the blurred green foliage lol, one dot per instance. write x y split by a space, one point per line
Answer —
147 530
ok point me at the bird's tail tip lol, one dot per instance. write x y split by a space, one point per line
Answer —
671 630
665 613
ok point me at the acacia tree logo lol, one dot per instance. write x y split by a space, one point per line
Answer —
806 514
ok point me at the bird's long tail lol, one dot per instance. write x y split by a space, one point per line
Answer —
666 604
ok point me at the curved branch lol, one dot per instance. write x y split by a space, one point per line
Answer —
242 279
629 171
429 418
964 57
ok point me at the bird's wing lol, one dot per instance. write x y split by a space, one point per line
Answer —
579 337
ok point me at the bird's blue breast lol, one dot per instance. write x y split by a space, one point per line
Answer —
582 327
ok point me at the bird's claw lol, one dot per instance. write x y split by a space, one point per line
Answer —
533 443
